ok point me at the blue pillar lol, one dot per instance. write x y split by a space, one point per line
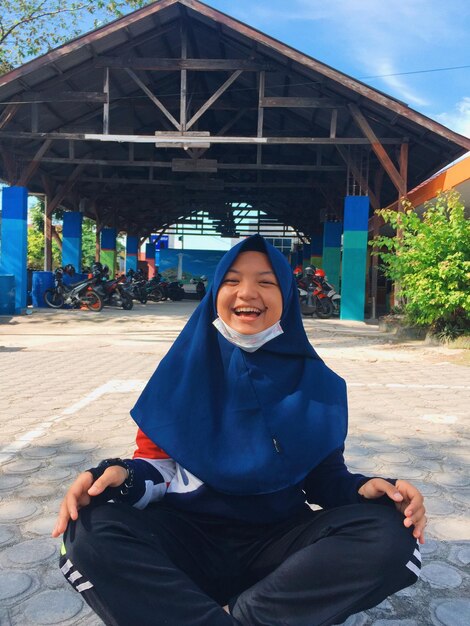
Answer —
15 240
150 258
72 239
132 245
316 250
332 233
108 249
353 276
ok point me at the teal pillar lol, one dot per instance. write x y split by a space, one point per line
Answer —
72 239
108 249
353 276
132 244
15 241
316 250
332 233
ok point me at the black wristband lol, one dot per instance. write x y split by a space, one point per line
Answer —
98 471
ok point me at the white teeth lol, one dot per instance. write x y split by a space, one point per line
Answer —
246 310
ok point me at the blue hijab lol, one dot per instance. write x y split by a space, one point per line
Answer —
245 423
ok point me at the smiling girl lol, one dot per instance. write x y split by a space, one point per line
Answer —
241 427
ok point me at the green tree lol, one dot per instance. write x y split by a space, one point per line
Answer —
36 240
431 262
30 28
88 241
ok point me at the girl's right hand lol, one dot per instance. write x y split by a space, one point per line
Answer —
82 491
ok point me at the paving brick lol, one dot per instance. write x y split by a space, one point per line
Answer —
32 552
53 607
455 612
17 511
6 535
22 467
8 483
13 584
441 575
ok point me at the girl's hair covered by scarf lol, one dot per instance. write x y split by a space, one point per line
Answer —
245 423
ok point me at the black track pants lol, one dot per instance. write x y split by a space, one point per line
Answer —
163 567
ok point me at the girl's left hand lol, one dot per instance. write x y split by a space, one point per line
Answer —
408 500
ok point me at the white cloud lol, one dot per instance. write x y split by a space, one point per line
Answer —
459 118
398 86
382 37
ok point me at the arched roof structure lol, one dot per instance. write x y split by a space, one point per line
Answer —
178 109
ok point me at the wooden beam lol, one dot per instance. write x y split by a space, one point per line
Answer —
29 172
56 236
65 189
194 165
8 114
106 102
213 98
359 177
194 183
404 167
259 130
34 117
47 236
198 65
154 99
377 147
10 165
333 123
300 103
216 139
61 96
184 77
168 164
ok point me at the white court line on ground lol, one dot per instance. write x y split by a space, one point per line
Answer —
7 453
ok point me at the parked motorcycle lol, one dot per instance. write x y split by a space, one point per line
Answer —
154 290
112 292
172 291
158 289
76 295
313 299
135 286
200 286
329 289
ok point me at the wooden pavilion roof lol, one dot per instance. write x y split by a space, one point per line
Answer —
177 111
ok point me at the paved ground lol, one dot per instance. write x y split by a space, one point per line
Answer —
69 378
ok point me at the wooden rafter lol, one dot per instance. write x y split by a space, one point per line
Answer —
8 114
65 189
154 99
377 147
300 103
198 65
32 168
213 98
356 172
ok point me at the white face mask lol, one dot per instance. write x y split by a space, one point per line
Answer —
249 343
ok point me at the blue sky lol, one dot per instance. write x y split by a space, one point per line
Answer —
386 38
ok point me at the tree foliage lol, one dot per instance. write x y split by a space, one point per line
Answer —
36 240
30 28
430 260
